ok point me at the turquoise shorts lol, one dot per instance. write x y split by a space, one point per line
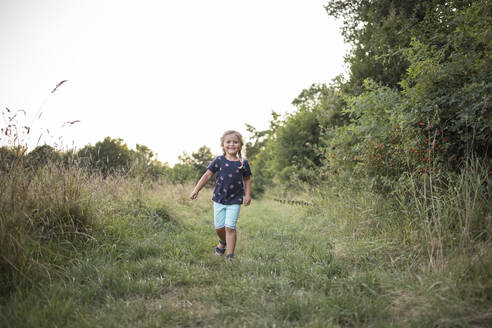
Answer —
226 215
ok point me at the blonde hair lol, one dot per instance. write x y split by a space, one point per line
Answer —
241 144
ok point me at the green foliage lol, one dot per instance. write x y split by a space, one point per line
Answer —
256 143
378 32
417 100
199 160
262 171
288 152
41 156
107 156
450 78
378 142
143 156
112 156
145 165
327 102
191 167
260 156
441 115
181 173
294 146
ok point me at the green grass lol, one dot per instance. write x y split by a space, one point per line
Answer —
151 264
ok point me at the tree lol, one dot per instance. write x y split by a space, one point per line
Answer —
199 160
258 139
191 167
108 156
327 102
143 155
294 146
378 32
449 80
42 155
181 173
144 163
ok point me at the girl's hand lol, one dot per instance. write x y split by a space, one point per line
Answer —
203 180
247 200
194 194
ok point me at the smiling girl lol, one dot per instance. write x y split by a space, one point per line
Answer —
232 188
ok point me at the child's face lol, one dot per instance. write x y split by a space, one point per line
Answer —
231 144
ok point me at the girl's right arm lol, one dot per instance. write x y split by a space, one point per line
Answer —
203 180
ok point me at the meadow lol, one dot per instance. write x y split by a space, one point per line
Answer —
122 252
372 200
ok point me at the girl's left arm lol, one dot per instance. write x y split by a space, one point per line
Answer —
247 191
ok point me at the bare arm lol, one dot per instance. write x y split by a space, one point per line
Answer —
203 180
247 191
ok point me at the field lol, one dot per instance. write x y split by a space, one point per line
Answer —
372 198
151 263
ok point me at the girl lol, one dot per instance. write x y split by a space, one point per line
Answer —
232 188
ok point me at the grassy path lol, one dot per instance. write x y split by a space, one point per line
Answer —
293 268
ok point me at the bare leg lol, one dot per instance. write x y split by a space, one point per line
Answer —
231 240
221 233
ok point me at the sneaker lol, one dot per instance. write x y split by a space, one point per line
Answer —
230 257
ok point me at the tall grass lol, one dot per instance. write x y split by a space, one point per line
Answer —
453 214
350 260
40 207
435 216
435 232
48 214
50 207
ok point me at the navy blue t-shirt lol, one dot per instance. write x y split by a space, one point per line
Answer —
229 186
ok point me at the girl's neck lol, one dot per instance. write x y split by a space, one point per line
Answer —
231 158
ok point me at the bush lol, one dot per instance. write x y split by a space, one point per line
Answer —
42 156
106 157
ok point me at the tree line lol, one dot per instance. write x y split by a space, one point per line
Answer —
415 101
110 156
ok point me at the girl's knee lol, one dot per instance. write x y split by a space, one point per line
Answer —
230 229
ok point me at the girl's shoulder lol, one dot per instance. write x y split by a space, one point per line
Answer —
215 163
219 160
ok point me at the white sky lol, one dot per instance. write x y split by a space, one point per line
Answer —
171 75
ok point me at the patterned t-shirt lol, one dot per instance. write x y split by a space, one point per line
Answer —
229 185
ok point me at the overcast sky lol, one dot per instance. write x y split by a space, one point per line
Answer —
171 75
